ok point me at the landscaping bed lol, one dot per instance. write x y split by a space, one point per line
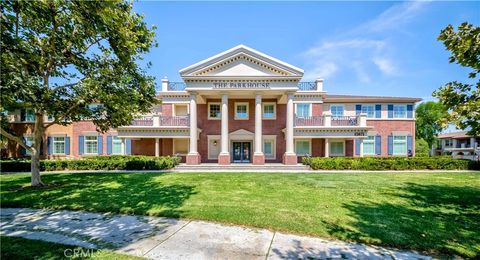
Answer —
390 163
112 162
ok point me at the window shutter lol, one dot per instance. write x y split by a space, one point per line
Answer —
409 144
358 108
128 144
22 115
100 144
81 142
409 111
390 145
50 145
378 111
378 145
109 144
390 111
357 146
67 145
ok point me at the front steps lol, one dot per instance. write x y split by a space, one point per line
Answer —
241 167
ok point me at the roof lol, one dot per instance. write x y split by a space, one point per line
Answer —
358 98
459 134
241 49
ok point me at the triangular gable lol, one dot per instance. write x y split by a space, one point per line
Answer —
241 132
241 61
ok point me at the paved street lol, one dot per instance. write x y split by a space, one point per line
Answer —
163 238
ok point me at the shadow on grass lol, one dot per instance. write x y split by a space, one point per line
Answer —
128 193
431 218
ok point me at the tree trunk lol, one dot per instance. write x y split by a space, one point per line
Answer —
38 133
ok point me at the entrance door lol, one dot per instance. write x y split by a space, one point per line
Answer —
241 152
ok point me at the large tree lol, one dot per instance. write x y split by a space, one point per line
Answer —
57 57
463 99
430 122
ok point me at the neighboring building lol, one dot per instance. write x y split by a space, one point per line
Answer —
244 106
458 144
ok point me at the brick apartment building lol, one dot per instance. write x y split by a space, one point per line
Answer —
242 106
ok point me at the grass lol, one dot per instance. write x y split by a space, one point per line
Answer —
21 248
436 213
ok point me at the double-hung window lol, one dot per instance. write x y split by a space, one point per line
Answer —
116 145
268 111
337 148
58 145
302 147
399 145
28 115
269 148
303 110
91 144
241 111
369 145
399 111
337 110
369 110
29 142
214 110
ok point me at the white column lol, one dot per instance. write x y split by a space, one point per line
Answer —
157 147
224 128
258 124
123 146
327 147
289 128
165 84
472 142
193 123
361 147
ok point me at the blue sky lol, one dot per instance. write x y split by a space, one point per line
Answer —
372 48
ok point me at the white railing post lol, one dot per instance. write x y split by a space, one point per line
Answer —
362 119
156 120
327 118
164 84
319 84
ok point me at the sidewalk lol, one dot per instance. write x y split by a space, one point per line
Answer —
163 238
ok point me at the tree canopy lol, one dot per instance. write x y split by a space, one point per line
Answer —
58 57
462 100
430 120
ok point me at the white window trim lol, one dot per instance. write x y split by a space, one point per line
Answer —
309 108
174 111
27 152
274 110
85 145
374 146
309 146
113 143
330 148
406 146
64 144
175 151
208 110
337 105
398 105
248 110
212 138
369 105
272 138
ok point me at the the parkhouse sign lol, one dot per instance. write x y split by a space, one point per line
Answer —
241 85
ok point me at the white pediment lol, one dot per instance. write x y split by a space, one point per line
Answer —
241 61
241 134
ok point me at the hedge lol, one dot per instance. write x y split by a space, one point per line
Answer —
390 163
114 162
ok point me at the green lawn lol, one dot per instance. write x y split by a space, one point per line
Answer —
437 213
21 248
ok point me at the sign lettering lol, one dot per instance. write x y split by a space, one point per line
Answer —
244 85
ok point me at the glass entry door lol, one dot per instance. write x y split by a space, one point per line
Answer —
241 151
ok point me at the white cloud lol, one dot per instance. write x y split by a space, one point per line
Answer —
363 51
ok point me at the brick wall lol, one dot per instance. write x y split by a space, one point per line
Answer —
386 127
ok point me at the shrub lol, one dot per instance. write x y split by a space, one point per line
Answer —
390 163
114 162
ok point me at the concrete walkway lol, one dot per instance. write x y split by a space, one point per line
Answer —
163 238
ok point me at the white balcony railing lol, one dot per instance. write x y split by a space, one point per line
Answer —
157 121
328 120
